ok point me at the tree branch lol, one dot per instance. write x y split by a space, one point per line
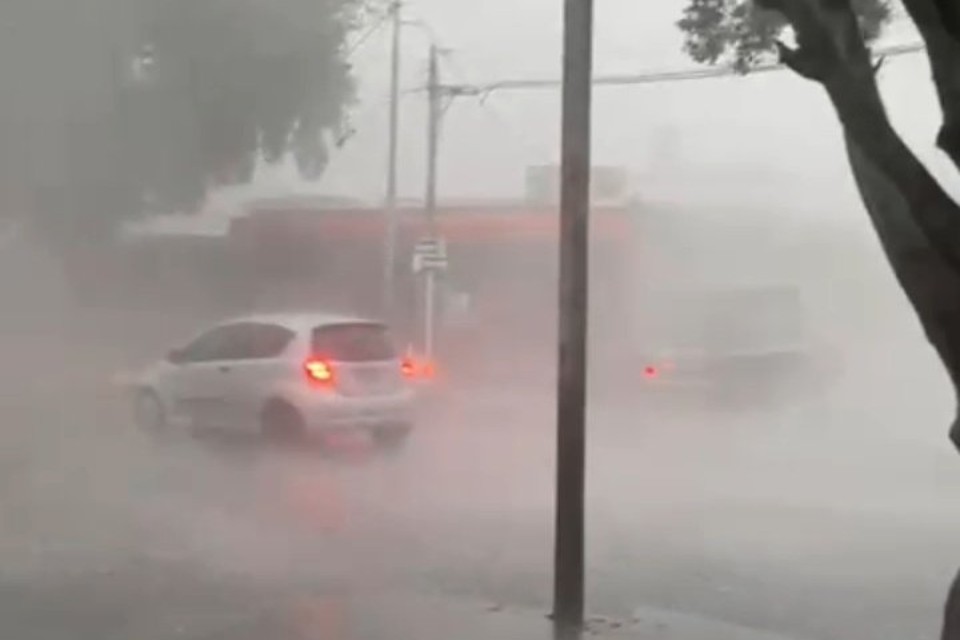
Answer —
832 51
815 56
916 220
802 63
939 24
878 65
951 614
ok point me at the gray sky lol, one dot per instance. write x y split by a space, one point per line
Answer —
770 140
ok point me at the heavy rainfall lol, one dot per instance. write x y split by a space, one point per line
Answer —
768 454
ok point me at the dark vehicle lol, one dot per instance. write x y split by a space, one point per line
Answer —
737 344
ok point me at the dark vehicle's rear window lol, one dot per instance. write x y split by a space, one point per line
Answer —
358 342
728 321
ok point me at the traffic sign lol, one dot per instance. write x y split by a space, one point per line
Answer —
430 254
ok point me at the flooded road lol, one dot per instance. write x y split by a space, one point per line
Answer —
827 518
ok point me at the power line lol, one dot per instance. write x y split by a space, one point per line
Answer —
483 91
416 19
517 135
654 77
495 114
366 35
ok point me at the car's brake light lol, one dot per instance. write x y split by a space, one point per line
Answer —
428 370
319 372
651 372
417 369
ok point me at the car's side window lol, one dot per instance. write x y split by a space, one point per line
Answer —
207 347
241 341
263 341
237 343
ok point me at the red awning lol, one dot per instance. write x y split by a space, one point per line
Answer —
467 225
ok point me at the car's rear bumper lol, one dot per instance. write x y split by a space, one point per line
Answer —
742 388
338 412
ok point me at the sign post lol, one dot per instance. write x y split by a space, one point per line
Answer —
430 259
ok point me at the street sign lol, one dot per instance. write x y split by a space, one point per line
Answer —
430 254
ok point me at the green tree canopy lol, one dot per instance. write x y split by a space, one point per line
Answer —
113 107
743 33
244 81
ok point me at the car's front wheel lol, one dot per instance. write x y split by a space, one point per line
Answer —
148 412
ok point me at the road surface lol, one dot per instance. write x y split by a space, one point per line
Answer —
831 517
827 518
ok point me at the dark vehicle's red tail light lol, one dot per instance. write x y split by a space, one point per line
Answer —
428 371
414 369
651 372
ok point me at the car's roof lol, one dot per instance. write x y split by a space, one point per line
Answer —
301 320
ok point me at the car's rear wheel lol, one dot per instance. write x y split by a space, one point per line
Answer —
282 423
148 412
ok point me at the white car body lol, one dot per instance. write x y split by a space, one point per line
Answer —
749 341
233 389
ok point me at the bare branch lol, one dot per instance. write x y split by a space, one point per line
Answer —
801 62
878 65
832 51
823 42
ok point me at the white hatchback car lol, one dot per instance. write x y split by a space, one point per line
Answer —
286 375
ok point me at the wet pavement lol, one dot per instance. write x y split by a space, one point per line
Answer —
828 517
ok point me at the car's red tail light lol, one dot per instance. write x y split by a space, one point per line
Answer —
414 369
319 372
428 371
651 372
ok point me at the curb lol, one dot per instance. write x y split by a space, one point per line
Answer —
416 618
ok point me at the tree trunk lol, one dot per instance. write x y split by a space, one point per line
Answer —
951 613
938 22
928 282
932 287
865 121
916 220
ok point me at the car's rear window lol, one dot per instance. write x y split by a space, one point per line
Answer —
356 342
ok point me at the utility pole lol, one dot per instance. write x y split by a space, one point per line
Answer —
390 248
568 596
434 113
434 109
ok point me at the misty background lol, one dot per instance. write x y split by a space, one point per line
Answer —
827 515
763 141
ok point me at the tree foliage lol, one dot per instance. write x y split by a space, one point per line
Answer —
249 81
113 107
743 33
